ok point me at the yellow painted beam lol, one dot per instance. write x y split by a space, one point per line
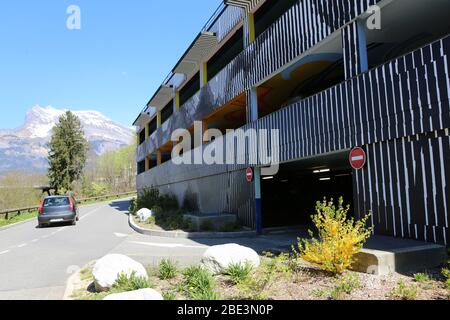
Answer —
147 164
147 131
177 101
159 157
251 28
158 117
204 74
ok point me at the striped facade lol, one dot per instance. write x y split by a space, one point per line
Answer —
399 112
304 25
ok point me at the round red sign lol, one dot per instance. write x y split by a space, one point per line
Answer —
249 174
358 158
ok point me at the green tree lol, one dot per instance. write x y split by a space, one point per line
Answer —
68 151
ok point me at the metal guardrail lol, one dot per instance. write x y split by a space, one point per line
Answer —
10 213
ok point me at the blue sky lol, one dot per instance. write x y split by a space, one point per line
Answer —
113 64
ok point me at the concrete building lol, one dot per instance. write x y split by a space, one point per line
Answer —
330 76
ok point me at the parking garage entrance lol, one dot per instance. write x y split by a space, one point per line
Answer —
290 197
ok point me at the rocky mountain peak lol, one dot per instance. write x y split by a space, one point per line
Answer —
25 148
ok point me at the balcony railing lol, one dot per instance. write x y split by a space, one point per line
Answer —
281 43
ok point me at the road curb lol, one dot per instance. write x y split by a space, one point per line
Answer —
70 283
189 235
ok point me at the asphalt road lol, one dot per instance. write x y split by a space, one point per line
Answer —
35 264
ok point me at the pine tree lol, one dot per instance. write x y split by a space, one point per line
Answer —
68 151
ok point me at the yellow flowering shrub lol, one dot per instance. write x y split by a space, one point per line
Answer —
339 238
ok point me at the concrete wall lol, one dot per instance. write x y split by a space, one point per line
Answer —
204 189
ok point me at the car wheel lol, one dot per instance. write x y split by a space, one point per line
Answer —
74 222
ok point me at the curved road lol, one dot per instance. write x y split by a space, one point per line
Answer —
36 263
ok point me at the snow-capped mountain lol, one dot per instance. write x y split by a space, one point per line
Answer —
25 148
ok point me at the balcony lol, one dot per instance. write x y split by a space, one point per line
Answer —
389 109
282 43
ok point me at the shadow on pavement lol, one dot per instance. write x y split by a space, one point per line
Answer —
121 205
274 242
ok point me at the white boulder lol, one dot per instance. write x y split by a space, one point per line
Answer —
107 270
144 214
143 294
217 258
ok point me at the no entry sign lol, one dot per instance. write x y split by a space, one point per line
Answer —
358 158
249 174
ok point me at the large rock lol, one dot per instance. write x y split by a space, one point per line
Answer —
144 214
143 294
217 258
107 270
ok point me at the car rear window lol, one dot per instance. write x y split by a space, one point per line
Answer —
56 202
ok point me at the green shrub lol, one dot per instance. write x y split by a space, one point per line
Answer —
405 292
347 284
230 226
171 220
188 225
133 208
94 189
167 270
147 198
257 285
169 295
238 272
130 283
205 295
421 277
151 221
151 197
207 225
99 189
340 238
157 210
199 284
446 274
168 202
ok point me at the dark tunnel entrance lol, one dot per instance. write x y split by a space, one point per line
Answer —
289 198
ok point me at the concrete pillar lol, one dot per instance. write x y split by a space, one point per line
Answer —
249 29
147 134
176 101
158 157
203 74
258 197
253 115
354 46
158 119
147 164
252 105
147 131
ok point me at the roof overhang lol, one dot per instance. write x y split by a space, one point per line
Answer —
162 97
142 119
202 46
247 5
